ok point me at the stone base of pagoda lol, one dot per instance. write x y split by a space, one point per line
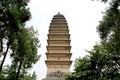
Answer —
55 76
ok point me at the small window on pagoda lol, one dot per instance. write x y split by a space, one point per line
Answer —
58 58
58 72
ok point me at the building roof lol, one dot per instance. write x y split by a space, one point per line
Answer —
59 15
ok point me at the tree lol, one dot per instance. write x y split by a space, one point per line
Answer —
20 41
10 70
24 55
90 67
29 77
110 21
103 63
25 50
109 29
11 19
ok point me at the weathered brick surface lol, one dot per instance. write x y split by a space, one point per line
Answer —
55 76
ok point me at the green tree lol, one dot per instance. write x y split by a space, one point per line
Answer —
10 70
103 63
24 55
109 29
30 77
91 67
13 14
20 42
25 50
110 21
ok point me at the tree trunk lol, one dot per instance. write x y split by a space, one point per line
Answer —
1 46
18 72
5 54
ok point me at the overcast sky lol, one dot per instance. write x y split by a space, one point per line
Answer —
82 16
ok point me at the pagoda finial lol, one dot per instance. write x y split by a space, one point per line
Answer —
58 12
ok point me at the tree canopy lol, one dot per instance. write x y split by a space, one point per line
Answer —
20 42
103 61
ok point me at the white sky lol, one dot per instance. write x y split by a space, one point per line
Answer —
82 17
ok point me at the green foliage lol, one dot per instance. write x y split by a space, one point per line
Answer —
97 66
25 47
110 21
25 50
20 42
9 74
29 77
11 20
103 63
90 67
111 38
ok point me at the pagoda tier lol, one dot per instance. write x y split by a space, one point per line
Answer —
58 42
58 54
58 48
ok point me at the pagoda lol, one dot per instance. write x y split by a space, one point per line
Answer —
58 49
